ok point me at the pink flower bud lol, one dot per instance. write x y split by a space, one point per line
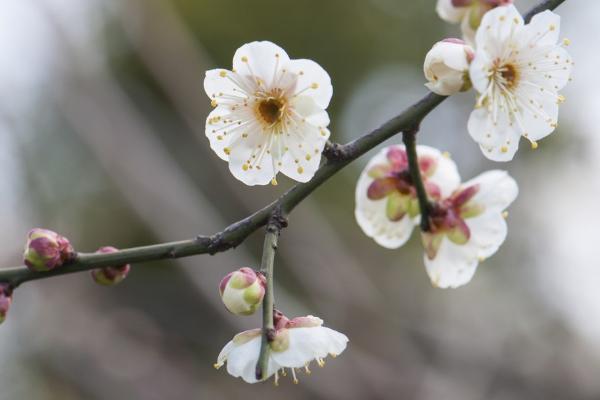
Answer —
109 276
46 250
242 291
5 300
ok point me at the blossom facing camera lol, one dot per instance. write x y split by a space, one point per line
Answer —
387 208
518 70
467 227
109 276
468 13
446 67
269 114
297 343
242 291
46 250
5 300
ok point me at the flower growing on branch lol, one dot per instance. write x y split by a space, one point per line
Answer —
387 208
446 67
467 227
109 276
242 291
269 114
468 13
46 250
296 343
518 70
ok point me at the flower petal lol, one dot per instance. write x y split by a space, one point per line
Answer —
448 12
497 26
242 359
250 160
543 29
445 174
308 344
497 189
453 266
261 60
312 81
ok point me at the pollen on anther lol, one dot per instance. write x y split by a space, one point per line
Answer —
245 167
314 85
503 149
446 154
223 74
300 170
504 214
244 59
552 27
534 144
308 157
566 42
227 150
213 103
274 182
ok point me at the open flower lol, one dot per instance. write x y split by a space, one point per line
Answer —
297 343
467 227
518 70
468 13
446 67
387 207
270 114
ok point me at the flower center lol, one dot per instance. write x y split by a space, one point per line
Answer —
271 110
509 75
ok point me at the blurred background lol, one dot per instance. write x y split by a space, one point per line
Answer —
102 114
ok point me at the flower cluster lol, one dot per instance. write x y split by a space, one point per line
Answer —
466 221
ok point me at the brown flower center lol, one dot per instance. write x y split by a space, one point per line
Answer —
510 74
270 110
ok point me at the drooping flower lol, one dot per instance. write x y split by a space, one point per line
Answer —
5 300
242 291
518 70
46 250
467 227
387 208
468 13
270 114
109 276
446 67
297 343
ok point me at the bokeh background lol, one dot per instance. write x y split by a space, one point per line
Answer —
102 115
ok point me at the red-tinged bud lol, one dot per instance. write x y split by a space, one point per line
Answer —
242 291
109 276
5 300
46 250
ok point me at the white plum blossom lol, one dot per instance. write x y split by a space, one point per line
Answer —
467 227
297 343
468 13
518 70
446 67
269 114
387 208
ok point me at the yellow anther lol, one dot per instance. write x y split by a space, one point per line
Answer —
244 59
274 182
217 365
566 42
323 132
502 18
307 157
503 149
534 145
213 103
504 214
219 137
446 154
300 170
560 99
552 27
223 74
227 150
245 167
244 135
314 85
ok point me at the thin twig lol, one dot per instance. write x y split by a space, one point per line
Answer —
409 137
266 267
338 156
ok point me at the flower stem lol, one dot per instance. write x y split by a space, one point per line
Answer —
266 267
409 137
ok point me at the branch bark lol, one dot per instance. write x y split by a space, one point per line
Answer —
337 155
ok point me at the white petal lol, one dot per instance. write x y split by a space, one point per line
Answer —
312 81
468 33
478 71
371 214
253 152
453 266
538 114
543 29
226 87
548 68
242 359
222 128
488 232
498 139
497 189
308 344
261 60
496 28
448 12
446 175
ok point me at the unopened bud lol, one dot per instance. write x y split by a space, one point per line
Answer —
109 276
46 250
5 300
446 67
242 291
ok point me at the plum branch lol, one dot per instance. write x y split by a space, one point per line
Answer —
337 157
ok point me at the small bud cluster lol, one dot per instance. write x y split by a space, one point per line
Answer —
109 276
46 250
